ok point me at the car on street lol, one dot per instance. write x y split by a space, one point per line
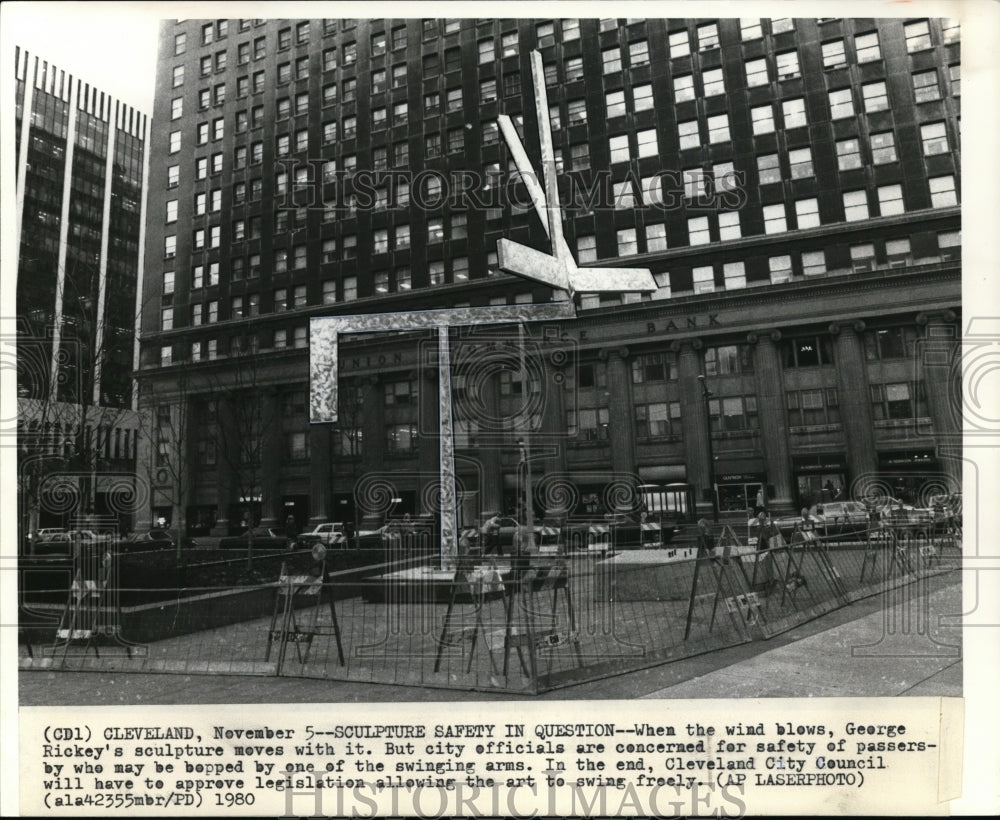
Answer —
154 539
329 534
264 538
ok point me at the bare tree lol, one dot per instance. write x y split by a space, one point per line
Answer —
247 419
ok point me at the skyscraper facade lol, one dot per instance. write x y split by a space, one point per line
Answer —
792 184
80 157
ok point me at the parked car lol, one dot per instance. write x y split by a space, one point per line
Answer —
330 534
370 532
150 540
264 538
836 519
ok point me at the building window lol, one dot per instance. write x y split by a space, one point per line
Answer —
943 193
708 37
627 243
841 104
787 64
756 72
918 36
589 424
955 77
867 48
934 138
848 154
794 113
893 401
834 55
698 231
807 213
638 53
890 343
718 128
652 420
925 86
762 118
728 360
883 148
809 408
647 143
855 206
779 25
768 168
734 275
729 225
801 162
703 279
890 200
875 96
680 45
733 414
642 97
813 262
683 88
750 29
808 351
774 218
656 237
780 269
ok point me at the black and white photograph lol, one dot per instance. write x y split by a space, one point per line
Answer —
496 362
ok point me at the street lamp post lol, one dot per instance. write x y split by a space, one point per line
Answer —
706 395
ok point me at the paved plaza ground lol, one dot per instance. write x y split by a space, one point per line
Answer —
873 647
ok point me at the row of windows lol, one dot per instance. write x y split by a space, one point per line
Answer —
655 420
704 279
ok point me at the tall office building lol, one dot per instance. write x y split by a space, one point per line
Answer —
80 157
793 185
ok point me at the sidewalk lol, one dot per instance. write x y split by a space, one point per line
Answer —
887 645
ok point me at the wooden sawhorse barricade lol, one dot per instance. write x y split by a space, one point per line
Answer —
524 585
290 591
80 619
718 549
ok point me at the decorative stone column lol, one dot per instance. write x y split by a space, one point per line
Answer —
491 465
554 418
428 445
940 368
694 421
270 458
773 416
855 399
228 453
621 411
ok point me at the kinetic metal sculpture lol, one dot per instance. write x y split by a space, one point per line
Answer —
557 269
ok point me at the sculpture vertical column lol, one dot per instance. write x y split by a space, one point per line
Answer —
270 459
693 418
449 527
855 400
226 478
773 415
320 467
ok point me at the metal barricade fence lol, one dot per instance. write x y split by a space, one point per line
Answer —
510 624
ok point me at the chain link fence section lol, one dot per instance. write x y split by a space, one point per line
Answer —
516 624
